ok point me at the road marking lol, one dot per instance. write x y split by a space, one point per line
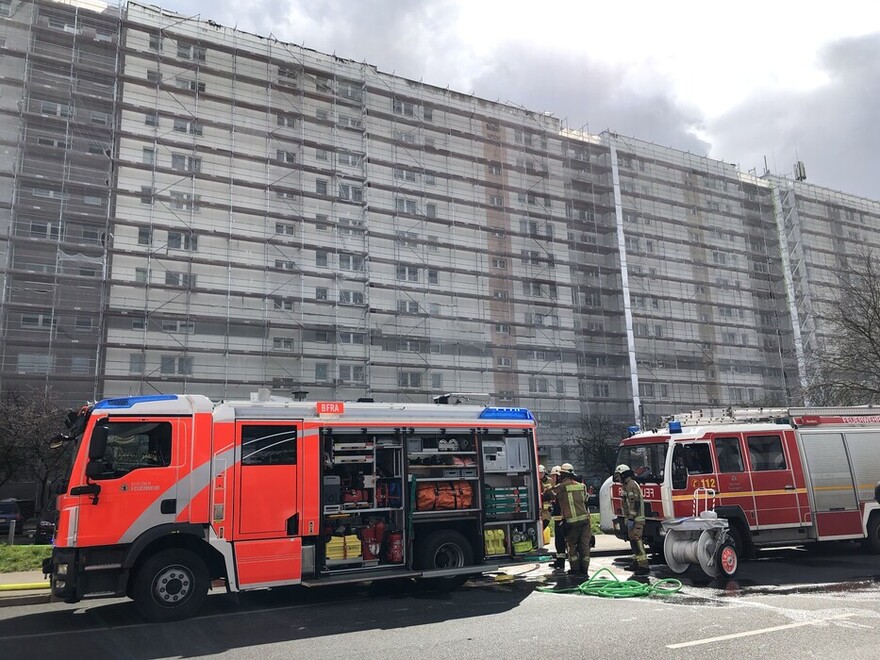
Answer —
750 633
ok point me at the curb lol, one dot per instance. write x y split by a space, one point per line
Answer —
18 599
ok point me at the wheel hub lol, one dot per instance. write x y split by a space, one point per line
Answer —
448 556
172 585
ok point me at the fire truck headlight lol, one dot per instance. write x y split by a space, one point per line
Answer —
60 584
61 569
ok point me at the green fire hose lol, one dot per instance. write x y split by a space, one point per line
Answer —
614 587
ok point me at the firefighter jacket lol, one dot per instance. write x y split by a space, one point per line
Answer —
546 497
632 503
572 498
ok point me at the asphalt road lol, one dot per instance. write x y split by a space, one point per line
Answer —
789 603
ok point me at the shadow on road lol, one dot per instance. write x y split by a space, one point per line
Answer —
230 622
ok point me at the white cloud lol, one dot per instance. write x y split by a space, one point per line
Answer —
737 81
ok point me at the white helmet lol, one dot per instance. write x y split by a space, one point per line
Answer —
567 467
620 469
556 470
542 469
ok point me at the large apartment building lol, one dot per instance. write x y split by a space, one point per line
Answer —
186 207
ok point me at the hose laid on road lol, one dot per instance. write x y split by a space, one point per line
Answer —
24 586
614 587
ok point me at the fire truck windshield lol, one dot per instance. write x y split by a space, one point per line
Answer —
646 461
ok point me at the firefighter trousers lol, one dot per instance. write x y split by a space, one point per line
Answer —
635 529
577 539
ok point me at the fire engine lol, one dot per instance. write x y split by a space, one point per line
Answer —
778 476
169 495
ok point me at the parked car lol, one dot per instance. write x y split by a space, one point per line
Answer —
9 512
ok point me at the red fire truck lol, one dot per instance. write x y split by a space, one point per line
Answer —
171 494
779 476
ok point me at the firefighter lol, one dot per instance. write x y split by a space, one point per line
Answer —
634 514
546 495
572 497
558 523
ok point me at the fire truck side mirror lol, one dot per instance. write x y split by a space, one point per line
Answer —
98 443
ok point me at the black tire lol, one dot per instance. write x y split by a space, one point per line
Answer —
171 585
727 559
872 541
444 549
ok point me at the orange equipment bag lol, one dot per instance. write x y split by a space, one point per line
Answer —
444 495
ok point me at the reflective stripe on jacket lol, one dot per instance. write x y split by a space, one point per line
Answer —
572 498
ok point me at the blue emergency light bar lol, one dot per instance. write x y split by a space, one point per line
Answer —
129 401
521 414
675 427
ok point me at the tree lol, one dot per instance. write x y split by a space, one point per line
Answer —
596 442
28 420
847 370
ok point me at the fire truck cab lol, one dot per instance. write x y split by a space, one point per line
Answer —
169 494
779 476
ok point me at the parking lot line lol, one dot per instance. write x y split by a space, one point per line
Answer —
761 631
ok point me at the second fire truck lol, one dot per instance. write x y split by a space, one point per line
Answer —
779 476
170 494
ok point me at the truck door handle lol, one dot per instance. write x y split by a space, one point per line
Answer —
789 487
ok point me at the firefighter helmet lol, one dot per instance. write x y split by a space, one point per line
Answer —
555 470
567 467
542 469
620 469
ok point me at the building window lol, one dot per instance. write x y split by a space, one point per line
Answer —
352 373
351 193
284 304
404 174
191 52
183 241
351 297
145 236
403 108
183 163
321 259
502 328
538 385
430 210
185 201
285 156
407 274
321 186
601 390
149 156
351 338
151 118
407 307
433 276
285 229
321 293
283 343
409 379
187 126
321 371
286 121
352 262
502 361
320 154
141 275
136 363
146 195
403 205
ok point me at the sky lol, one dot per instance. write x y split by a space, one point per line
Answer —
749 82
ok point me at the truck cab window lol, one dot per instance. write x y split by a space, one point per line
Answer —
729 455
136 445
690 459
765 453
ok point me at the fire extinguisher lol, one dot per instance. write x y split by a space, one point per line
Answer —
394 550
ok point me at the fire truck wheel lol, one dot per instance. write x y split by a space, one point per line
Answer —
170 585
444 549
727 558
735 535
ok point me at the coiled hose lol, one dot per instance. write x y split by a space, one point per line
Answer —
614 587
